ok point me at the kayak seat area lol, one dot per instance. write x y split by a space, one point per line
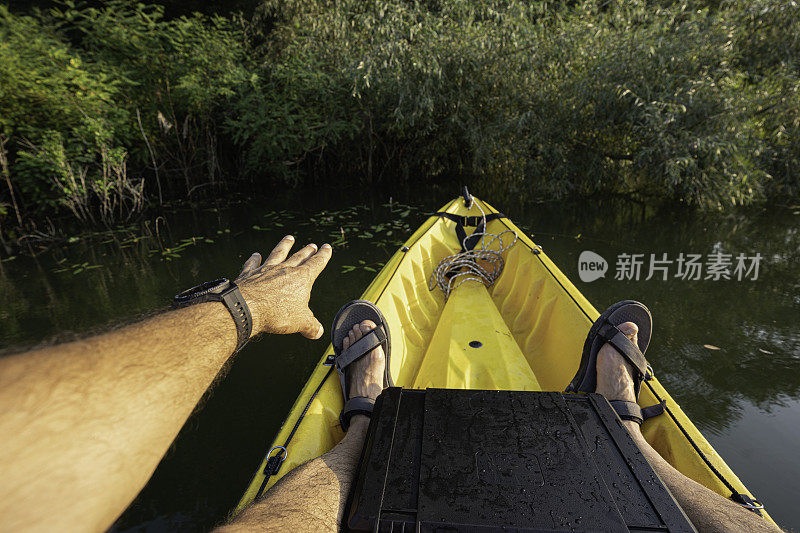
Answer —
492 461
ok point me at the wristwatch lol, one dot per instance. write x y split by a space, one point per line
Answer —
227 292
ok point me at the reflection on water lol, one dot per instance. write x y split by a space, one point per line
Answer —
761 445
742 396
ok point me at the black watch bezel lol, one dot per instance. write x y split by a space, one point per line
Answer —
208 288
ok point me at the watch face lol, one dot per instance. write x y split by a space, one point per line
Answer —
209 287
219 286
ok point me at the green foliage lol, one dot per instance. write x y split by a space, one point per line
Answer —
178 76
679 100
48 93
84 91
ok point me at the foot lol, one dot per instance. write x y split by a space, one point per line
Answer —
366 374
614 374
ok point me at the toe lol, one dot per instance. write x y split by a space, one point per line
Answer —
366 327
629 329
357 333
346 343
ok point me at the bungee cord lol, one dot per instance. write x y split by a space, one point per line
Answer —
483 264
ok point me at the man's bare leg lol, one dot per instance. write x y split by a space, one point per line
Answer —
707 510
312 496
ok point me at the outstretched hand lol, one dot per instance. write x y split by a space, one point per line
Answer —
278 291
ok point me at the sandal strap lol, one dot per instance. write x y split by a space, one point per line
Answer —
360 348
359 405
632 411
626 348
628 410
654 410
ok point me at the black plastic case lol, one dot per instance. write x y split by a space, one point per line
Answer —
483 461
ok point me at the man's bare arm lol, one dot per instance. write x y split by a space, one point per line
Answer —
83 425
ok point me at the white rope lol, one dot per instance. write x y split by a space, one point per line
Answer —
484 264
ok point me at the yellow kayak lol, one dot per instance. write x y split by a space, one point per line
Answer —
532 320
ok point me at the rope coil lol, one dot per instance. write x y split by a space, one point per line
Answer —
484 264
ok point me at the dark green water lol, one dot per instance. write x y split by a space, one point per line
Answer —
744 396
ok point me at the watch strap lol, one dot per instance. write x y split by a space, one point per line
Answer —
230 297
237 307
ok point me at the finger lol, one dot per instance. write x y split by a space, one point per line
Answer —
316 263
301 255
279 253
313 329
250 265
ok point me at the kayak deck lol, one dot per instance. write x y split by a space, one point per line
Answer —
525 332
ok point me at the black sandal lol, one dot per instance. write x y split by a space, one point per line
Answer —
348 316
605 330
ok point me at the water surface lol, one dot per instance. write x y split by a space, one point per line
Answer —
744 395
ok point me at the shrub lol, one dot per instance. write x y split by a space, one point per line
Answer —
176 74
677 102
84 91
49 92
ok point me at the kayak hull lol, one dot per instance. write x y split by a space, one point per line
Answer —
525 332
